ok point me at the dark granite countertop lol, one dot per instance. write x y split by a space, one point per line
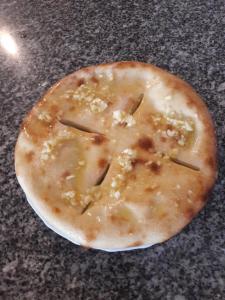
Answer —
53 38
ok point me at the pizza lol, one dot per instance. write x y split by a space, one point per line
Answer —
117 156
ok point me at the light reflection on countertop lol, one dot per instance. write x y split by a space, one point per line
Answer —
8 43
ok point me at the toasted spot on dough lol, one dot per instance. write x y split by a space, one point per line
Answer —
151 188
72 108
118 220
155 168
210 161
98 139
54 109
65 174
138 161
145 143
56 210
80 82
29 156
102 163
189 213
92 232
94 79
135 244
162 139
132 177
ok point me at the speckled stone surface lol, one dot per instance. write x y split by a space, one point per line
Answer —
53 39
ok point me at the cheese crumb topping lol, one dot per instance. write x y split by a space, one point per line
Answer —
125 159
44 116
70 177
117 181
81 163
181 141
66 133
85 199
156 119
68 195
187 126
98 105
179 129
109 75
190 192
115 194
114 183
47 149
171 133
98 219
86 94
121 117
82 93
148 84
182 124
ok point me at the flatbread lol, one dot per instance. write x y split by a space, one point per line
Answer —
117 156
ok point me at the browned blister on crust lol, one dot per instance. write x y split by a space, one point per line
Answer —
117 156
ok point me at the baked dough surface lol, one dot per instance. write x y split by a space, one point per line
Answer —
118 155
